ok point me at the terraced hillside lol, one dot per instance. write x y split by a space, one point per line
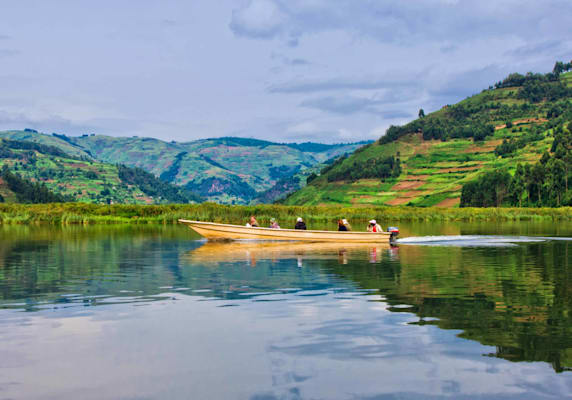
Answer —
224 170
82 179
438 153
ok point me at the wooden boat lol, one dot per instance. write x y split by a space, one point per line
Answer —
214 231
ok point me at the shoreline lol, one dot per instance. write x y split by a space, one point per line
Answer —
87 214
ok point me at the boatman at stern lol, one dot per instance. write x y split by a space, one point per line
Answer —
374 226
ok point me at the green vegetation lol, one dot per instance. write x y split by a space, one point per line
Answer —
26 191
40 172
388 167
514 122
83 213
226 170
155 187
544 184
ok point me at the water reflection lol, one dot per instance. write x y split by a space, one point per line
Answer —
253 251
280 320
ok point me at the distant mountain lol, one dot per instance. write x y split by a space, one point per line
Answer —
40 171
459 149
224 170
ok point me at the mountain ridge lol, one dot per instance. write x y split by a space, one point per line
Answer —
440 152
225 170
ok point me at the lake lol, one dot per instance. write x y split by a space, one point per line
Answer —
143 312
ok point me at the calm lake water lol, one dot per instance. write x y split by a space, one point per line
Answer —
154 313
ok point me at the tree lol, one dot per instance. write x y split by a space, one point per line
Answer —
558 68
537 174
488 190
421 113
556 176
311 177
517 185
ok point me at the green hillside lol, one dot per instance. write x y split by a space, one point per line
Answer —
435 155
16 189
224 170
81 178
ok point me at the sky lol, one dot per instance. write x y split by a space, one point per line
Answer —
283 70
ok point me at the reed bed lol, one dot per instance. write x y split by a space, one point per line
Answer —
83 214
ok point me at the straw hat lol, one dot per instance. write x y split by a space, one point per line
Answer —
373 221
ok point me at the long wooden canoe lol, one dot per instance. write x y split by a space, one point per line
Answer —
211 230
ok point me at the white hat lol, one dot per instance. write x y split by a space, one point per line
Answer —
299 219
344 221
373 221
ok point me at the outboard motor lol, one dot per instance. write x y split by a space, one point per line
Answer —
394 233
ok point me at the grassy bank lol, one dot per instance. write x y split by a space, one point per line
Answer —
82 213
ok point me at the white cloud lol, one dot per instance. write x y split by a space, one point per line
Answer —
259 19
271 69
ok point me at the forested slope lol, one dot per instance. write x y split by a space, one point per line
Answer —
428 161
33 172
225 170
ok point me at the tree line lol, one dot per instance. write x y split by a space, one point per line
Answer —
27 191
155 187
7 145
373 168
543 184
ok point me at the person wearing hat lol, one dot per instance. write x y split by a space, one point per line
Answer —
274 224
346 224
374 226
300 224
253 223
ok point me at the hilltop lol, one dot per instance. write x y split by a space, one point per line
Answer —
428 161
34 172
224 170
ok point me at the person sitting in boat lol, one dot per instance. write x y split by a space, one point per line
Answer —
346 224
300 224
374 226
253 222
274 224
341 226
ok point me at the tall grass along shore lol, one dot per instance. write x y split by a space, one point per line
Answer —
82 213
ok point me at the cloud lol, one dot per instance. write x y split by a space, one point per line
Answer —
395 114
44 123
8 53
298 61
449 48
294 62
339 84
550 48
342 104
347 105
405 22
260 19
456 86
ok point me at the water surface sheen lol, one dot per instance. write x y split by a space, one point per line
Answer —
154 313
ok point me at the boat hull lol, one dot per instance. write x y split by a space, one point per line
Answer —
214 231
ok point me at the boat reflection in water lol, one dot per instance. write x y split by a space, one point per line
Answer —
253 251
